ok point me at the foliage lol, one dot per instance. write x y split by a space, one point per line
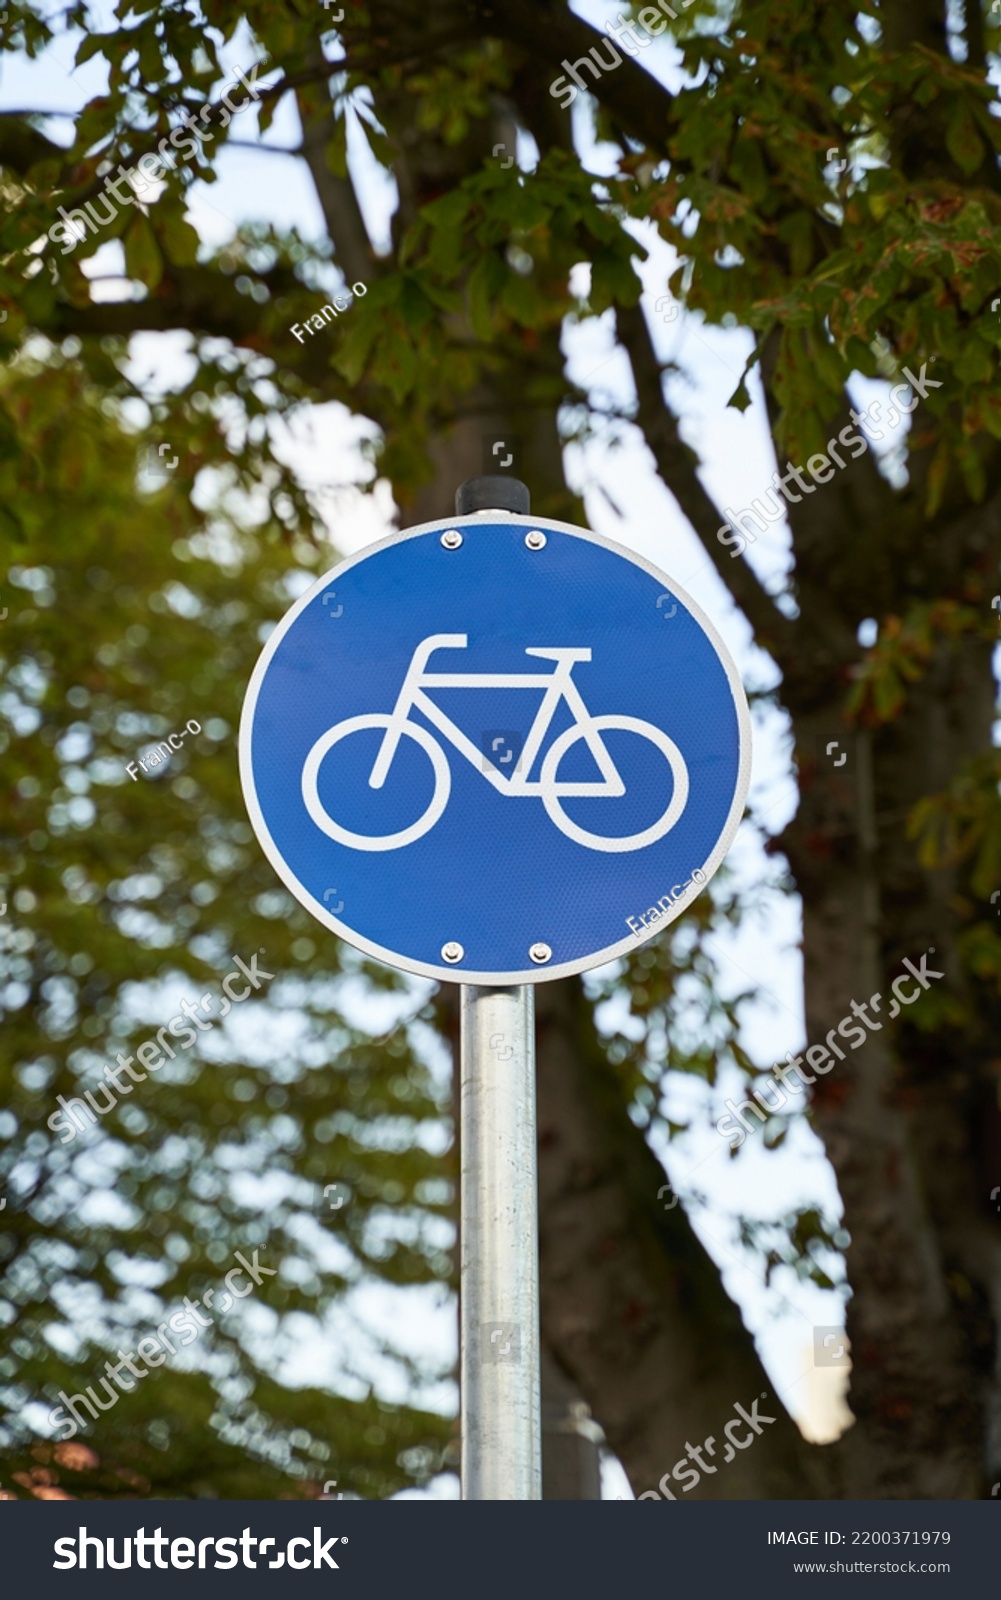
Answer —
124 897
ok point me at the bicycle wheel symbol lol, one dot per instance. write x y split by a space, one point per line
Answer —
596 841
363 841
549 789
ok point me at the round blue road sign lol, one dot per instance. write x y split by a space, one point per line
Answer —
495 750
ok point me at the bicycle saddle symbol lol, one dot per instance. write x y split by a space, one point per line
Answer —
558 685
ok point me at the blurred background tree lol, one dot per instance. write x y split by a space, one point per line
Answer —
827 175
127 895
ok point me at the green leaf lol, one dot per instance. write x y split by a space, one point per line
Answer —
352 353
180 238
395 364
142 253
938 477
976 363
740 399
524 300
11 524
989 415
91 45
485 283
962 140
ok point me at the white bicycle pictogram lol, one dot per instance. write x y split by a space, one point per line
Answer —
558 686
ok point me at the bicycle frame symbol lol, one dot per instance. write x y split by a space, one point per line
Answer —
557 686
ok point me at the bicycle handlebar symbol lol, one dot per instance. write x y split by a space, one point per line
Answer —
558 686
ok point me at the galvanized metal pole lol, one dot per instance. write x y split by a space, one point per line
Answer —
499 1249
499 1306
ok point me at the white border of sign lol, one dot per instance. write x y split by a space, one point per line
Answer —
459 973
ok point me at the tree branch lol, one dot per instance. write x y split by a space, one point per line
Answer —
547 32
341 212
22 146
201 300
676 466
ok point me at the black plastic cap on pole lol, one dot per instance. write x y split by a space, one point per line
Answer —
493 493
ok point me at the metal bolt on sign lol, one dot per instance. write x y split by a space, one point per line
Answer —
365 764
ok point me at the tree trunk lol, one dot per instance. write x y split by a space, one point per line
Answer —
632 1305
900 1118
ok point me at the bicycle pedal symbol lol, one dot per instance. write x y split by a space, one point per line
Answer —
558 687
